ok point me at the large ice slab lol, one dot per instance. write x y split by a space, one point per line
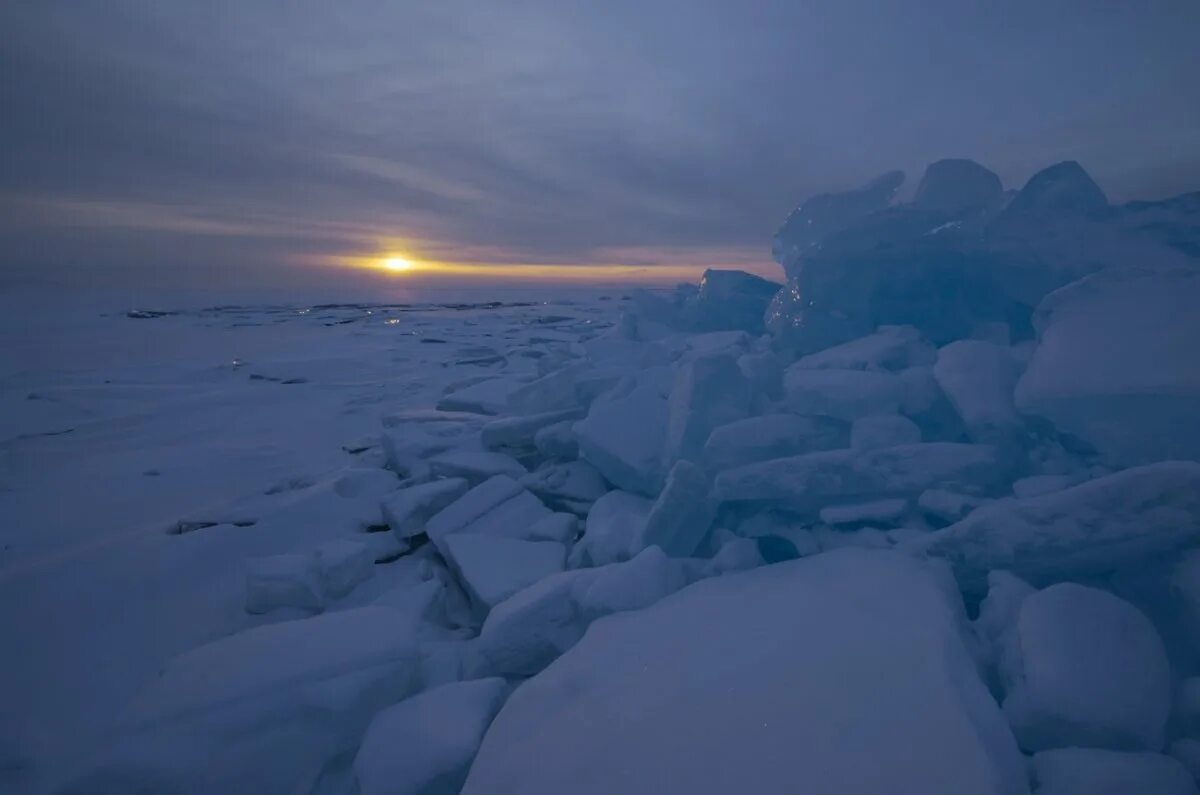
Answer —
844 394
525 633
494 568
623 438
475 465
520 432
729 299
979 377
957 186
407 510
498 507
889 348
424 745
827 213
708 392
1116 366
841 673
615 524
769 436
1091 528
1084 668
679 520
574 482
808 482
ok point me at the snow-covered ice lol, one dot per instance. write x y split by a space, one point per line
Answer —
407 510
808 482
769 436
1085 668
843 394
493 569
934 499
623 437
680 517
865 661
1091 528
424 745
1116 364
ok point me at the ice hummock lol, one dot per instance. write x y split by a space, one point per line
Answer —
662 526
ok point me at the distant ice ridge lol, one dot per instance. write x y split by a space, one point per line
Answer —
924 519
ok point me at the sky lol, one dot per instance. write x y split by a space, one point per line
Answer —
239 143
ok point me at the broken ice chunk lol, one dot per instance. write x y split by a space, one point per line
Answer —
1092 528
557 441
999 610
521 431
806 483
682 514
499 507
560 527
777 668
979 378
472 505
475 465
492 568
729 299
614 525
708 392
554 391
827 213
1115 367
844 394
623 439
879 511
890 348
770 436
1085 668
406 511
425 744
524 634
576 481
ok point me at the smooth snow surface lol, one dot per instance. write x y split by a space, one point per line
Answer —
846 672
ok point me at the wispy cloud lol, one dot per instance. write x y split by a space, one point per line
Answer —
541 131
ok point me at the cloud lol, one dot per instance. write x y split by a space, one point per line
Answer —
550 131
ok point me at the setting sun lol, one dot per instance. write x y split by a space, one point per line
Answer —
397 264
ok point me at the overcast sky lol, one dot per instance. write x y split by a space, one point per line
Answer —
239 141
